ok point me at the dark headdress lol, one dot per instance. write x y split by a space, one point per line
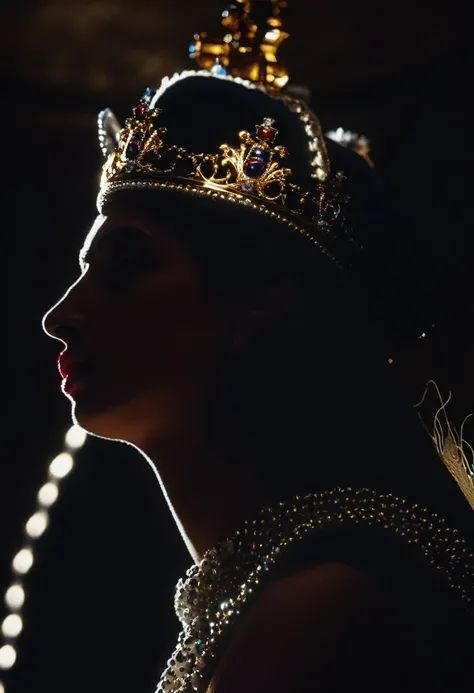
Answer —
231 132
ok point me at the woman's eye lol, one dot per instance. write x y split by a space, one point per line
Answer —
124 268
120 259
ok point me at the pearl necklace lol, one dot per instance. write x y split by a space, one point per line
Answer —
212 596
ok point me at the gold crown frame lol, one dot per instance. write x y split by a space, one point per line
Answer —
250 173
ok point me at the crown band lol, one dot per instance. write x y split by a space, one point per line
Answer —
213 194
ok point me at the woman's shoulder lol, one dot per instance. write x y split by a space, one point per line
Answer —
329 623
405 547
348 603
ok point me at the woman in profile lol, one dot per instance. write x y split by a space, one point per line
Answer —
219 326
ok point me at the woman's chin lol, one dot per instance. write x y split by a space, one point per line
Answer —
112 423
126 415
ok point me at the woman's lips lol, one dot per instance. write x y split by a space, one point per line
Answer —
73 372
75 377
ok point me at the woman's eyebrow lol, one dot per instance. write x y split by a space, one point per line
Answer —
115 235
86 251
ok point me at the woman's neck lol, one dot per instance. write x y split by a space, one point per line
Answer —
363 442
209 498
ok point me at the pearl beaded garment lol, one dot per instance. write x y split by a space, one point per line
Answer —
211 597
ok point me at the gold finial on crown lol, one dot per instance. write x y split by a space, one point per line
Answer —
248 48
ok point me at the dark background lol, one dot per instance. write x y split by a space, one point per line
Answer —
99 614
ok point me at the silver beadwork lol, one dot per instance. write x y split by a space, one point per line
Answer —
106 192
230 572
109 131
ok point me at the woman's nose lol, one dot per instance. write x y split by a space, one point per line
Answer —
63 319
66 316
60 324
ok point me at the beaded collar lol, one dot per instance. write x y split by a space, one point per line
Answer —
212 595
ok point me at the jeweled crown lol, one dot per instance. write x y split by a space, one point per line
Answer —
249 170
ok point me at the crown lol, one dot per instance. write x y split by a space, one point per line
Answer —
249 171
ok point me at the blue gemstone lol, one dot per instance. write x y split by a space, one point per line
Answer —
256 151
192 47
129 166
254 168
218 69
259 154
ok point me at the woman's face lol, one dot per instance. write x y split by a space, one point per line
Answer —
142 333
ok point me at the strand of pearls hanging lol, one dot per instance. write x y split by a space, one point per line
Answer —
15 594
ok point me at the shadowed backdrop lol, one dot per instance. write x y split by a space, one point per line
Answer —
98 615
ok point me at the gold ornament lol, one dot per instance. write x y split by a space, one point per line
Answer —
249 173
248 46
451 446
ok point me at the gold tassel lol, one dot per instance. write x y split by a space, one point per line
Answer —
451 446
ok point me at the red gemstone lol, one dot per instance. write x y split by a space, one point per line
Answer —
266 133
140 109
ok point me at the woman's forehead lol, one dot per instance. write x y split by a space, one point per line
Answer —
104 223
98 224
122 216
